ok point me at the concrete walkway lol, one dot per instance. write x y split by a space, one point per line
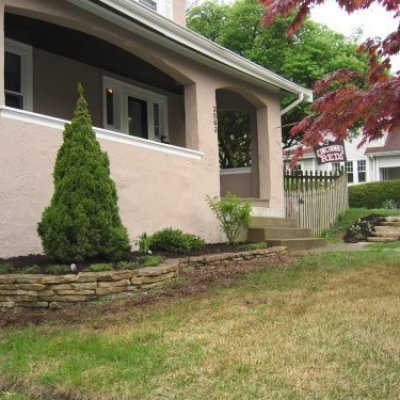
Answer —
331 247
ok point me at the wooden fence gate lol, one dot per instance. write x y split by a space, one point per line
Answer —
315 199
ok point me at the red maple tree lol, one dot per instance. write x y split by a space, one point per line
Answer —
341 103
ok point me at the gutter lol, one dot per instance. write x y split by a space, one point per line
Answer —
299 99
149 24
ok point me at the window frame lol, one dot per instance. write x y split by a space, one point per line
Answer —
25 52
349 167
121 91
362 171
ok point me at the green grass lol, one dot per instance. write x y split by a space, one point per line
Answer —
351 216
100 267
324 328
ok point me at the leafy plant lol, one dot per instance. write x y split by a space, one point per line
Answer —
175 241
152 261
6 268
58 270
253 246
144 243
359 231
82 220
126 265
232 214
390 204
32 269
100 267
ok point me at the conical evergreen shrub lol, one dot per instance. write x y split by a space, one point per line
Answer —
82 221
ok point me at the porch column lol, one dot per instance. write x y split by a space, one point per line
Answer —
2 97
201 126
270 157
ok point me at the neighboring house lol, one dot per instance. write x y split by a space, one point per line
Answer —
375 161
154 89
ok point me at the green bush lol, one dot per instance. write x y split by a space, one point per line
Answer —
82 221
100 267
6 268
175 241
152 261
32 269
253 246
374 194
126 265
58 270
144 242
232 214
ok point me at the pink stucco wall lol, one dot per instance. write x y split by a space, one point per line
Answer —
155 189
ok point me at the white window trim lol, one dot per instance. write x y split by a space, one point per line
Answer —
25 52
235 171
121 91
164 7
58 123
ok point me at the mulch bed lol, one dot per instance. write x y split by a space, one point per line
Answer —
102 314
43 261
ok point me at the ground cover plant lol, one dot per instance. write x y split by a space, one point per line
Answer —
325 327
346 220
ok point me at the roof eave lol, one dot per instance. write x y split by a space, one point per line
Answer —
182 40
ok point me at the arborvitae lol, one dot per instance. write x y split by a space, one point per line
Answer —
82 221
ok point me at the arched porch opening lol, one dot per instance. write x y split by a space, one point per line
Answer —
238 144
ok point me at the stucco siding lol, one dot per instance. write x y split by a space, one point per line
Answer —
155 190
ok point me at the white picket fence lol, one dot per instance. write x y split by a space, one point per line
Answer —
315 200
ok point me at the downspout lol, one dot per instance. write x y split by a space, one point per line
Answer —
299 99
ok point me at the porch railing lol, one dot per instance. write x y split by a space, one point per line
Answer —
315 199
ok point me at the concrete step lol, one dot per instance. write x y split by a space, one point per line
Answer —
381 239
393 218
390 231
262 234
390 223
265 222
298 244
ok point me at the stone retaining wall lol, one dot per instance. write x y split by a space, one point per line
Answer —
48 291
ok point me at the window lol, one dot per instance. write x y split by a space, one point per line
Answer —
361 170
349 169
135 111
163 7
18 75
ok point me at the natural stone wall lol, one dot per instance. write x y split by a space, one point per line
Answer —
49 291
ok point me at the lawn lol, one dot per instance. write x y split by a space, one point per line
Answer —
326 327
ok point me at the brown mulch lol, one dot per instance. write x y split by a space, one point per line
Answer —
103 313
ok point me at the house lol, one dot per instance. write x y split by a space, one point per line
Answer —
154 89
378 160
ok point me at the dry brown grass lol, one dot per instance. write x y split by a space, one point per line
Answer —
324 329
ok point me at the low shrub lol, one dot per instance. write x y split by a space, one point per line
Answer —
390 204
32 269
144 243
253 246
175 241
374 194
232 213
152 261
6 268
126 265
100 267
58 270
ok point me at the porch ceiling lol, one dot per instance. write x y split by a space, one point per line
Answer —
86 49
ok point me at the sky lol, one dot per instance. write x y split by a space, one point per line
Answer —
374 21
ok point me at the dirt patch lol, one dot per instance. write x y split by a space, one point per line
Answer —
194 282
